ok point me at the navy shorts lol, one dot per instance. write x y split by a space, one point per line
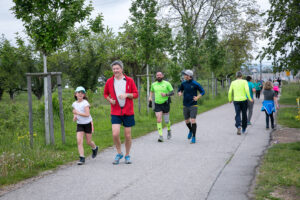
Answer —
87 128
126 120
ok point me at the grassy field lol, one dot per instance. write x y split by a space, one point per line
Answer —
279 174
18 161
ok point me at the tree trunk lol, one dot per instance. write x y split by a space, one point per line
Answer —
11 94
1 93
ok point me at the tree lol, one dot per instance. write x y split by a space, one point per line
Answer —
12 70
191 19
46 23
283 33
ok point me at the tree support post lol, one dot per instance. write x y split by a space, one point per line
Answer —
50 110
61 110
30 110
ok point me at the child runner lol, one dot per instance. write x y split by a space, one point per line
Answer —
270 100
81 112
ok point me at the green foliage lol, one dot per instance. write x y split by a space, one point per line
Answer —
283 34
47 22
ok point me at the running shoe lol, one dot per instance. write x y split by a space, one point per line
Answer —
190 135
193 141
81 161
95 151
160 138
118 157
244 131
239 130
169 134
127 159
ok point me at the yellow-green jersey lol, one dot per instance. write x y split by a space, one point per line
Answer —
161 87
240 90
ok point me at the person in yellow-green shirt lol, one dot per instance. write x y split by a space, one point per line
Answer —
162 90
238 93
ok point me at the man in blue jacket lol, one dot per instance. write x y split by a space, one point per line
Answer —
189 88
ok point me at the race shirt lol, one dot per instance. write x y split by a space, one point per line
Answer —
161 87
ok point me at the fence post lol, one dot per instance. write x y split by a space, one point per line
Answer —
207 86
61 110
50 109
30 110
216 86
139 89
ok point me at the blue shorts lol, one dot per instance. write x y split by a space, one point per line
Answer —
126 120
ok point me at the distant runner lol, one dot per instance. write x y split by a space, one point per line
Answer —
189 88
240 91
162 90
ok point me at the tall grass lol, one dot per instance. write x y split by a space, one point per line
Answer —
289 94
18 161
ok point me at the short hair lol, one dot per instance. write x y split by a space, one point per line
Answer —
248 78
117 62
268 85
160 72
239 74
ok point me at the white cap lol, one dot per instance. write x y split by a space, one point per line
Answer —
188 72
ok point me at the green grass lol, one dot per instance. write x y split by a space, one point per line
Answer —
280 169
287 117
18 161
289 94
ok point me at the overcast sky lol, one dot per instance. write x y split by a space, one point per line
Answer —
115 13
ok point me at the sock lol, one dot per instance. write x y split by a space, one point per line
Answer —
159 128
189 126
194 128
169 125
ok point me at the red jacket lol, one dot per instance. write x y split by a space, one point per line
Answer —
109 90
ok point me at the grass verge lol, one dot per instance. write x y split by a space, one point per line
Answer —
280 169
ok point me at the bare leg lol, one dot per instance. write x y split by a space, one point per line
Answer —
116 136
89 141
127 131
80 143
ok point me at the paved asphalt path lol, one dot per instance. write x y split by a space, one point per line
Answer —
220 166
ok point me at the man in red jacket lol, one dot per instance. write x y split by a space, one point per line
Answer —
120 90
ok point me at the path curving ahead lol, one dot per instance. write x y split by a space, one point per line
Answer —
220 166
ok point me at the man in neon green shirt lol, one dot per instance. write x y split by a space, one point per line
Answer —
162 90
240 90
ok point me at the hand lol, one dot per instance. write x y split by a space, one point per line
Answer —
277 107
75 112
75 118
163 94
195 98
251 100
179 94
113 102
150 99
123 96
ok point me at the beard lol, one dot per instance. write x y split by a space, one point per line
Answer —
159 79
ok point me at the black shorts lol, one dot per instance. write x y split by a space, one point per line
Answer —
190 112
165 107
87 128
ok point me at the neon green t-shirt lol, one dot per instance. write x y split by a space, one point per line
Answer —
240 90
161 87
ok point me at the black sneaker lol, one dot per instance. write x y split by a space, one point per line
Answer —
81 161
95 151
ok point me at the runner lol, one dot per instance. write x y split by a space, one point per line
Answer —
249 103
81 114
120 90
162 90
258 87
189 88
240 90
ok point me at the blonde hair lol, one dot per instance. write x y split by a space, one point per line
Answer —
268 85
